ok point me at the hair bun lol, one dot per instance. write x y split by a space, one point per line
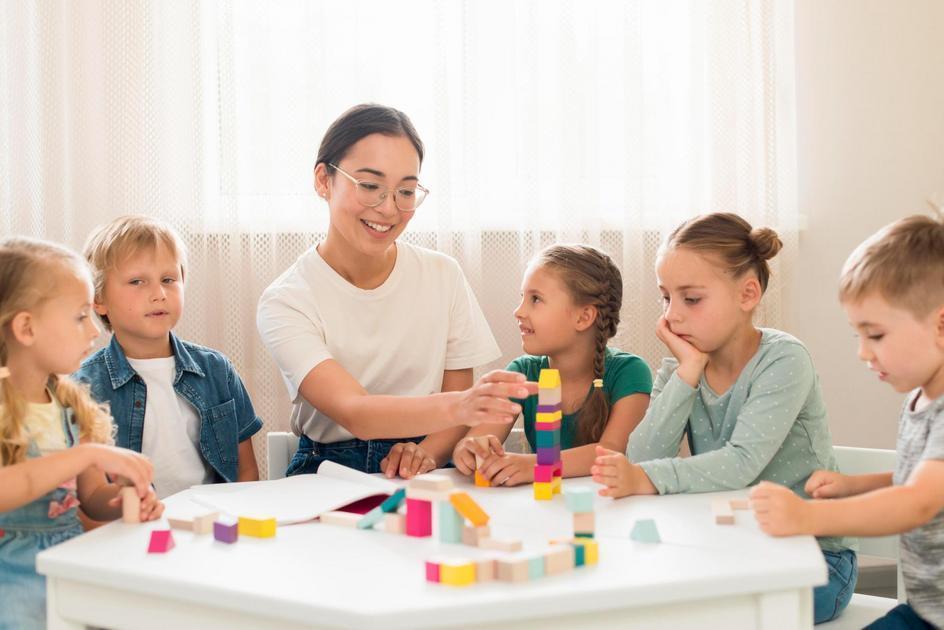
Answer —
766 242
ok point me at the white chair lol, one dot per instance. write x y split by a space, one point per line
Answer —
864 609
280 448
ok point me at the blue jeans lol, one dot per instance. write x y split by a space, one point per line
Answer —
363 455
901 617
832 598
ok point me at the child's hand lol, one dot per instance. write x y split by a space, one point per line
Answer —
408 460
779 511
620 477
826 484
510 469
151 508
115 461
463 455
692 361
488 402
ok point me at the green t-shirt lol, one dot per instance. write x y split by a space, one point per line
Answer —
623 374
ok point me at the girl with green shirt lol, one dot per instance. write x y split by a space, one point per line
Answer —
570 303
747 398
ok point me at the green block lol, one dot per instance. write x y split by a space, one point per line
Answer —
645 530
547 439
583 534
536 567
579 554
579 498
371 518
450 523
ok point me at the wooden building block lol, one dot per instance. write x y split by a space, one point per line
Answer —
161 541
549 456
542 491
486 570
591 549
558 559
226 530
432 571
549 378
722 511
394 523
472 535
203 524
535 567
546 439
367 521
481 482
500 544
579 498
556 485
513 569
257 527
343 519
542 419
548 408
740 504
450 523
549 397
130 505
457 572
645 530
184 524
584 523
394 501
431 481
468 508
419 518
544 473
425 494
549 426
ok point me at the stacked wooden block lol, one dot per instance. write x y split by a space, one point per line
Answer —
580 503
547 427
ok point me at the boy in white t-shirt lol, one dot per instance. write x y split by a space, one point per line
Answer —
181 404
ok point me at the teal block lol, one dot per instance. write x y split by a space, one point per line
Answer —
583 534
645 530
392 503
547 439
535 567
450 523
579 498
579 554
371 518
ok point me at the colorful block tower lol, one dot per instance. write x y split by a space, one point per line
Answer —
580 503
547 423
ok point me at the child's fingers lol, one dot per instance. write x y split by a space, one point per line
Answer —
491 465
410 462
495 445
427 465
602 451
464 461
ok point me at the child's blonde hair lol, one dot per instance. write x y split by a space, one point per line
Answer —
111 244
731 240
903 262
30 273
591 278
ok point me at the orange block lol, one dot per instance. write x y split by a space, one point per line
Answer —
468 508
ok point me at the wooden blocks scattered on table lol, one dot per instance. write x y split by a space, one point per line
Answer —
257 527
724 515
162 541
130 505
342 519
226 530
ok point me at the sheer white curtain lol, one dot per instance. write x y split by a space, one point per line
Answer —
606 122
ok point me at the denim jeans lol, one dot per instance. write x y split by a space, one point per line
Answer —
363 455
832 598
901 617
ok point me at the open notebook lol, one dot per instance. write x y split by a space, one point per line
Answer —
298 498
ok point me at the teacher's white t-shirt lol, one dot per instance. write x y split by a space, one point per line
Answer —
396 339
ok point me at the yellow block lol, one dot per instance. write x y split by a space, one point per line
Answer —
549 379
480 481
543 491
556 485
257 527
457 574
547 418
468 508
591 551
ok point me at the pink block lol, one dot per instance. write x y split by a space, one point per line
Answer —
545 472
432 571
162 541
419 518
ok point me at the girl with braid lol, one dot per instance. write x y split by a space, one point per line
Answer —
747 398
570 308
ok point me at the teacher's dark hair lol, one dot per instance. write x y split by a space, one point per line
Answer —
359 122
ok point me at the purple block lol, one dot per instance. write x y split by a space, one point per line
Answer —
226 531
549 408
548 455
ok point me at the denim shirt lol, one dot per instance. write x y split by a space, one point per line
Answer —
203 377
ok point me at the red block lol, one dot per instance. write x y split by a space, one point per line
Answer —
432 571
419 518
162 541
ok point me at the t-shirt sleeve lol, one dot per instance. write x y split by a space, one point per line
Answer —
934 449
627 375
295 339
470 342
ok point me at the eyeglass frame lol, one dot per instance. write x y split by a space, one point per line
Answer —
383 196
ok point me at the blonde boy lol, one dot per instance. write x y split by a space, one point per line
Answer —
892 289
181 404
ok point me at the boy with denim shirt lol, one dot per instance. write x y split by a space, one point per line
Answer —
181 404
892 289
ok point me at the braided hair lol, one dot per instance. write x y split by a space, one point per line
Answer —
592 279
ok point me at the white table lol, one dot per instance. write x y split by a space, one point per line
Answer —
319 575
